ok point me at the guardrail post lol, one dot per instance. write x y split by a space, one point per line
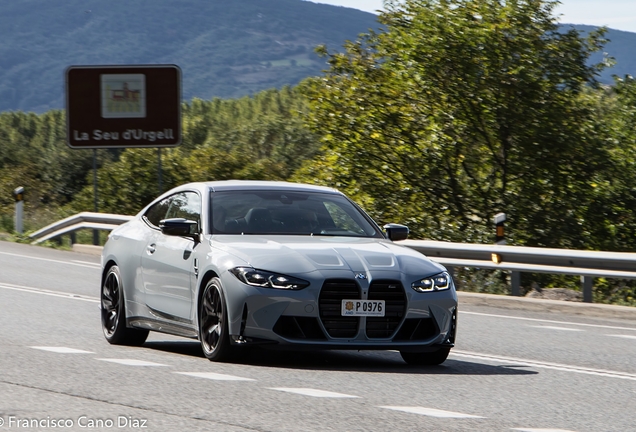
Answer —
515 282
586 287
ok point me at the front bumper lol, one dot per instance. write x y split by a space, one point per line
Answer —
305 318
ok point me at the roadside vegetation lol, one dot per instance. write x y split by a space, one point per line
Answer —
457 110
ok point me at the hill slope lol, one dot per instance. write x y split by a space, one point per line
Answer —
225 48
621 47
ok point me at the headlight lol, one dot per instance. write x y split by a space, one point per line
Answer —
439 282
265 279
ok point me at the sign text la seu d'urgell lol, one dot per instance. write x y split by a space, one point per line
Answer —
127 135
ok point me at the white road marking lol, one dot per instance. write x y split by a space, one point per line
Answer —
49 260
545 365
541 430
624 336
88 263
430 412
313 392
547 321
215 376
62 350
557 328
49 292
131 362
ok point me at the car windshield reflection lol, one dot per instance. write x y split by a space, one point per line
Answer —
288 213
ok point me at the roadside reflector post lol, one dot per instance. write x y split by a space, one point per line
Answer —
515 282
586 287
18 194
500 219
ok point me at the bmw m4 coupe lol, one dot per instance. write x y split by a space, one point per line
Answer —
236 264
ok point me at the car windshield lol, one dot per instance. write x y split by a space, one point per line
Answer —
288 213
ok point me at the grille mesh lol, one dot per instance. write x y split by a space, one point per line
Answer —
330 304
393 294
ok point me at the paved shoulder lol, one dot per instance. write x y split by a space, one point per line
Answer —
552 306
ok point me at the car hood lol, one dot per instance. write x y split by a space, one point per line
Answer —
303 254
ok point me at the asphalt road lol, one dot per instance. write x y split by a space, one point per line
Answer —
510 370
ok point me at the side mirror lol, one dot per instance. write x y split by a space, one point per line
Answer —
396 232
180 227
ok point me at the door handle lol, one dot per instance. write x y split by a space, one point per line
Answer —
151 249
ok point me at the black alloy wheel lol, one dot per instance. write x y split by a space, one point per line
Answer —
114 312
426 358
213 323
110 303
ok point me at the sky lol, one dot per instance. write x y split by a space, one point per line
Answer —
615 14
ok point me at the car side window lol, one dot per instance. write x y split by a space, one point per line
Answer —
158 212
186 205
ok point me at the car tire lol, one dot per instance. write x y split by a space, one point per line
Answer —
114 312
425 358
213 323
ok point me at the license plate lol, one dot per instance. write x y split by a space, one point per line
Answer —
363 308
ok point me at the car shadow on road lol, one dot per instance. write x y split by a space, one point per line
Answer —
350 361
186 347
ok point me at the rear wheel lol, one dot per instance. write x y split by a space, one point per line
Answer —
425 358
114 312
213 323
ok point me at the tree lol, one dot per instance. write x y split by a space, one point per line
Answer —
458 110
612 216
34 154
258 138
127 185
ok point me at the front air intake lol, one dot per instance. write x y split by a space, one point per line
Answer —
292 327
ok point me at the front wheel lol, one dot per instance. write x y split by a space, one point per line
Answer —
426 358
213 323
114 312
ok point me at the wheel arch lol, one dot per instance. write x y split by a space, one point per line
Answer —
107 267
201 287
235 314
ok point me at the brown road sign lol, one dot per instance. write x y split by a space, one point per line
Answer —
123 106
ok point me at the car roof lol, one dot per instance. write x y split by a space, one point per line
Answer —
229 185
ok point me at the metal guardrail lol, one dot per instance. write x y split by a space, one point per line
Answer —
621 261
520 259
516 259
85 220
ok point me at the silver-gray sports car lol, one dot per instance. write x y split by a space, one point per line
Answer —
236 264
